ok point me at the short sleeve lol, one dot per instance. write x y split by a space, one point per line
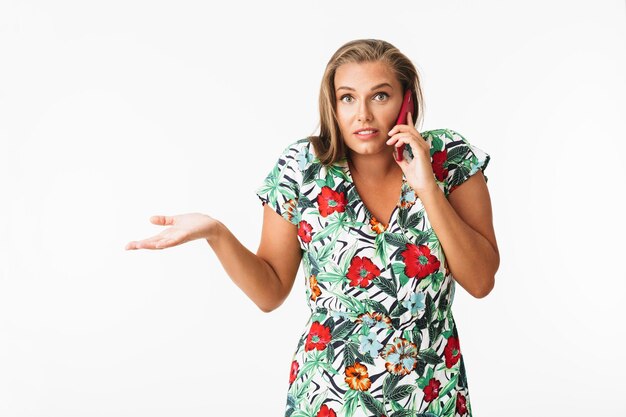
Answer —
281 187
462 160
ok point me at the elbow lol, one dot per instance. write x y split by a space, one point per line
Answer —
269 307
484 290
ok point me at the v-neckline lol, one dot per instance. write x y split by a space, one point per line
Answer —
360 200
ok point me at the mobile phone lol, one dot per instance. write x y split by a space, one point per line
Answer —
407 105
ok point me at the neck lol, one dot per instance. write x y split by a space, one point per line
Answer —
378 167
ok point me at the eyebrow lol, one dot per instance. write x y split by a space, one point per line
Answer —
373 88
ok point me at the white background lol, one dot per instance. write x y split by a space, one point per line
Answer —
111 112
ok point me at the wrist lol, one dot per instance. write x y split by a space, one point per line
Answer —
214 231
428 192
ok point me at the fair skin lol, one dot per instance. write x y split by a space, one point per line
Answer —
463 222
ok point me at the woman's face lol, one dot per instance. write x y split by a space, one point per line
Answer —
368 96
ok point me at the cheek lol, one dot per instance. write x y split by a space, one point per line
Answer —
389 116
343 119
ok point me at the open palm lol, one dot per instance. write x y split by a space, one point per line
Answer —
183 228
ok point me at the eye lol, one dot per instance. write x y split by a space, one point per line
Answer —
345 96
382 94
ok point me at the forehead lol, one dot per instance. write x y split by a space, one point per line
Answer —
364 74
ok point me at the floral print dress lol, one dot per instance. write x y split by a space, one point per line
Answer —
381 339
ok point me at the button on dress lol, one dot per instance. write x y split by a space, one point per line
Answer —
381 339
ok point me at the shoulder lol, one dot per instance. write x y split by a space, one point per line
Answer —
442 139
454 158
298 154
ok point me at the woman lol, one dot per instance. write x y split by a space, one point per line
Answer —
382 239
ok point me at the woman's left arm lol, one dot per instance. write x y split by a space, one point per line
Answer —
464 225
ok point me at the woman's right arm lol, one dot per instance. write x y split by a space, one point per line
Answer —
267 277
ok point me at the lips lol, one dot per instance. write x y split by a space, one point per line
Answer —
365 134
366 131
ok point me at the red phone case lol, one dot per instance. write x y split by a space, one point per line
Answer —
407 105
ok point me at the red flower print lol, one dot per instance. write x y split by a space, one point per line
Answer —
431 391
418 261
357 377
439 158
304 231
361 271
452 351
330 201
315 289
326 412
319 337
461 406
293 374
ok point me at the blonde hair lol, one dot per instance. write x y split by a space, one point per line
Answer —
329 145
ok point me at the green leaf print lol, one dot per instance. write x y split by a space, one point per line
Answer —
421 366
401 392
395 239
459 173
390 382
381 248
337 172
415 219
404 413
300 392
399 310
372 404
310 173
351 402
402 213
435 407
436 144
347 258
353 348
397 268
423 381
343 330
432 333
276 187
431 357
354 305
437 279
317 403
348 356
449 407
304 202
449 386
331 228
429 308
330 181
386 285
457 154
330 353
416 336
330 277
376 306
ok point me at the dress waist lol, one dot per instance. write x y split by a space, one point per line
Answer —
402 321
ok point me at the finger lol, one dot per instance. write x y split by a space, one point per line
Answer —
148 243
162 220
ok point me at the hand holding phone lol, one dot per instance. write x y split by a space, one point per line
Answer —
407 105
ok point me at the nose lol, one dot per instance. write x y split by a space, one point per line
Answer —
364 112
